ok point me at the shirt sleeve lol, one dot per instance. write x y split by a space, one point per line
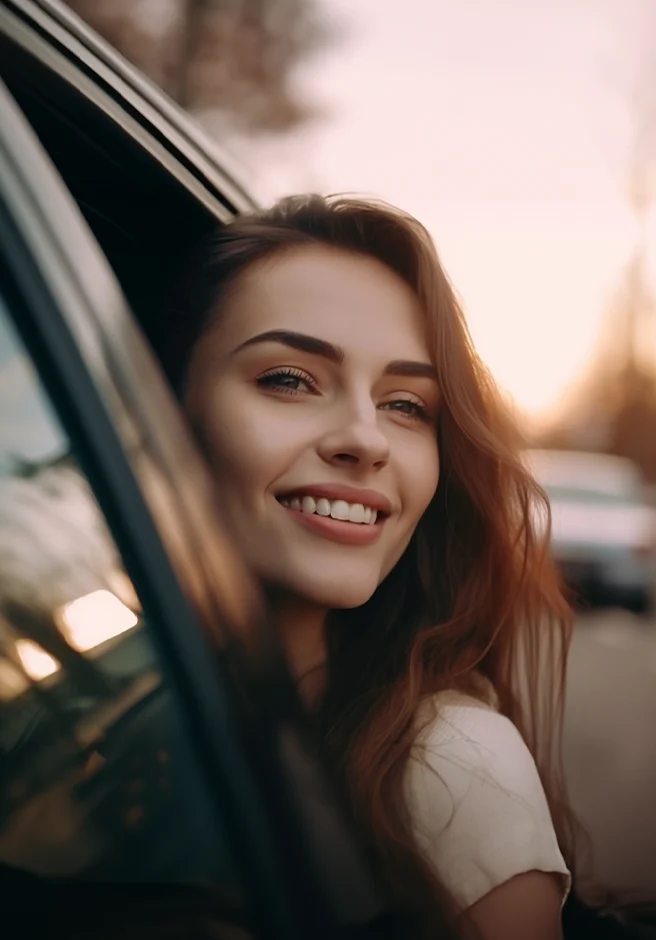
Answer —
479 810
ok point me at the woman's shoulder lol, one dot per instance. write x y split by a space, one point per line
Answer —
468 750
478 805
458 728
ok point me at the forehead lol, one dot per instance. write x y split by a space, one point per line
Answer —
345 298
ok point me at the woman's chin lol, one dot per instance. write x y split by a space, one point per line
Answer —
342 599
330 593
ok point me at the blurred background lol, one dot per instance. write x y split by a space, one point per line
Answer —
524 136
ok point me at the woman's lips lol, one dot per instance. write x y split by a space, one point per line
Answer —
346 533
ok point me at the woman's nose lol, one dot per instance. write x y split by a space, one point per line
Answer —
358 441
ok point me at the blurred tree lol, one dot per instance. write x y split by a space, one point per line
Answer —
235 57
615 409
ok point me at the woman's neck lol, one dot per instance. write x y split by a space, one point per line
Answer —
301 628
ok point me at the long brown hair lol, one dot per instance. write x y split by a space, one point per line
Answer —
475 597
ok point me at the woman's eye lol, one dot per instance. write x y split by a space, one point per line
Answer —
290 381
408 408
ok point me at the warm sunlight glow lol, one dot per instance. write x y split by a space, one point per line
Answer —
95 618
518 167
35 661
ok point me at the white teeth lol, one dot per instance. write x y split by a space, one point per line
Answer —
308 504
356 513
340 510
337 509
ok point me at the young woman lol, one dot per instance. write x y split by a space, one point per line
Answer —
373 477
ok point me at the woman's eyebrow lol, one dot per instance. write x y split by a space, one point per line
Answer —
411 369
300 341
321 347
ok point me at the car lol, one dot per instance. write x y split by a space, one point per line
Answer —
157 770
603 528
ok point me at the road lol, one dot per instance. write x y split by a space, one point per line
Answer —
610 745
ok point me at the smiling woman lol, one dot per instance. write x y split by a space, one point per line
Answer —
300 392
373 481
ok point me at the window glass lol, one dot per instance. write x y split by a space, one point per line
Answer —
97 778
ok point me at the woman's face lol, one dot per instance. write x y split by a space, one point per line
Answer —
318 404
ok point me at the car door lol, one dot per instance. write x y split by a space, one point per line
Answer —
150 733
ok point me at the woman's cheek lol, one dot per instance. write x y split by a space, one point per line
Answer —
425 479
232 435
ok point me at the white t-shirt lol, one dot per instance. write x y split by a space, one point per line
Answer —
479 810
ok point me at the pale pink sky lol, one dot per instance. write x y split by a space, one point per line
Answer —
504 126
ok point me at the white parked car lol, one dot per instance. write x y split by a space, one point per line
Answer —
603 529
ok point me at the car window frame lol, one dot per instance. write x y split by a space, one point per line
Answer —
144 118
58 38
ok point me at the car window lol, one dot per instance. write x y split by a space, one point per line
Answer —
97 780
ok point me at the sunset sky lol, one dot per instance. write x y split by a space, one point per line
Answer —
506 128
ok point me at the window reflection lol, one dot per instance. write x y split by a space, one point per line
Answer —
96 777
35 661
